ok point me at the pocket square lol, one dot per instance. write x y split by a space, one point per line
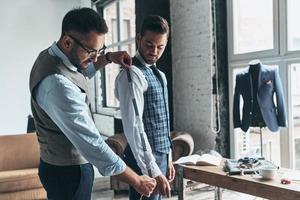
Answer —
268 82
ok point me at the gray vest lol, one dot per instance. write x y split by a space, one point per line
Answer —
55 147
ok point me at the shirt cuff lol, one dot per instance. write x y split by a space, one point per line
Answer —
170 156
116 169
155 171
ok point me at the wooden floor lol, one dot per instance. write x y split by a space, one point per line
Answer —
198 192
205 193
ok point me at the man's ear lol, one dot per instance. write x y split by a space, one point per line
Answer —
138 39
66 43
138 36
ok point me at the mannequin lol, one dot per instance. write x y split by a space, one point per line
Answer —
257 118
257 84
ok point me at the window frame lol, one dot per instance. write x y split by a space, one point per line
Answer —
101 106
280 56
256 54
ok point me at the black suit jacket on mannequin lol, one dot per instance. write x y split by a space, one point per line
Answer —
268 83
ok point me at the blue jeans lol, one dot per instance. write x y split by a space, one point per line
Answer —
73 182
162 162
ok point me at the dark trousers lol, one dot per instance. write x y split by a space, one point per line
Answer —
161 161
67 182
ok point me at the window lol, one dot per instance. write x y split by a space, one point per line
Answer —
293 25
295 79
267 30
252 25
120 18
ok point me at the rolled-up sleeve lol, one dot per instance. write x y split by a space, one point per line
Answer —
65 105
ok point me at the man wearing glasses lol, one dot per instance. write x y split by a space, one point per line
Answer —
69 140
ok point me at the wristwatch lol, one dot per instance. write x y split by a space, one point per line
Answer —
107 57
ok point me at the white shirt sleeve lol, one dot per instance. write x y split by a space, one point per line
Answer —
145 159
170 156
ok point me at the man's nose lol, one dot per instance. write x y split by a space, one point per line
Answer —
94 58
154 50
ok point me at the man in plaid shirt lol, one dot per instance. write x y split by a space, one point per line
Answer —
149 89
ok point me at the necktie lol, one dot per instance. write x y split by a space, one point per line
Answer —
156 73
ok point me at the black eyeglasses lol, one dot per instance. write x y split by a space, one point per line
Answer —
91 52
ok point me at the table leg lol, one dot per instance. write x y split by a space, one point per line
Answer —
181 185
218 193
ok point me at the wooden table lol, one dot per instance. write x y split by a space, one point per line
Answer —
249 184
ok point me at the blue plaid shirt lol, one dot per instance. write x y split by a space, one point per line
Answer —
157 134
156 115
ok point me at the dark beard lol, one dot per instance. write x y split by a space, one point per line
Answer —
74 60
147 61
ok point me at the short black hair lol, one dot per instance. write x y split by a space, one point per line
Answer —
155 23
83 20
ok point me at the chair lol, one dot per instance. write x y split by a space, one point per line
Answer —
183 145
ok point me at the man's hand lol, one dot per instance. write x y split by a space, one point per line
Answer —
142 184
120 57
171 172
162 186
145 185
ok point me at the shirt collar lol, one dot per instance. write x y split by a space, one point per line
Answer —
55 51
139 57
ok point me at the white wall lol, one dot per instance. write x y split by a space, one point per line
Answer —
26 28
192 58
